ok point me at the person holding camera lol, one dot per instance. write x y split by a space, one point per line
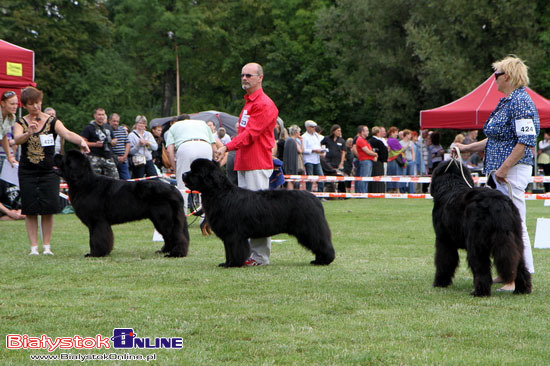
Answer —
99 137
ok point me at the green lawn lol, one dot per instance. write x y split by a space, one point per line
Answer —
373 306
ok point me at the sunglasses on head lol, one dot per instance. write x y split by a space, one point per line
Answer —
248 75
8 94
497 74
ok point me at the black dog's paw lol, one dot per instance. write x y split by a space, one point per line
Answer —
317 262
478 293
440 282
520 291
88 255
230 265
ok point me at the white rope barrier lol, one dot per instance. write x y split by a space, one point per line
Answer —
390 178
528 196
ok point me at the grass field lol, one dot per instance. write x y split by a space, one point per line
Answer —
373 306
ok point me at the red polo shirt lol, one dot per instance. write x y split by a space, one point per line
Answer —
255 139
362 155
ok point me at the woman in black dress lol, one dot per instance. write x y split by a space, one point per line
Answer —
39 185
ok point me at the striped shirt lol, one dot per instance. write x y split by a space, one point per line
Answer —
122 139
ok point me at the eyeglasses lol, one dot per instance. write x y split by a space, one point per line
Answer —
8 94
248 76
497 74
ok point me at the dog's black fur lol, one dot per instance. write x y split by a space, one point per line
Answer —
100 202
483 221
236 214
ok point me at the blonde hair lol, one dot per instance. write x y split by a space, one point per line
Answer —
140 119
516 70
459 138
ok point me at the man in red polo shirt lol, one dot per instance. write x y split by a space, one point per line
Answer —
366 156
254 143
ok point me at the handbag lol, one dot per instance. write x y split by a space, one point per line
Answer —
138 160
165 159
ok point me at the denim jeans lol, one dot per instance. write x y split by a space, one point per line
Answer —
409 170
123 170
394 169
365 170
314 169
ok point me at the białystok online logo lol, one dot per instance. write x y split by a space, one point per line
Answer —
123 338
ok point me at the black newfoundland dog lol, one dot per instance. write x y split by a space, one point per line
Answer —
236 214
100 202
481 220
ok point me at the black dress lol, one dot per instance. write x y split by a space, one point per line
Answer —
378 166
38 183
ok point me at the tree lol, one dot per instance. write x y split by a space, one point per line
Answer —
456 43
374 64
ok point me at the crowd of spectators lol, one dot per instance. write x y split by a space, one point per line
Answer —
124 152
372 152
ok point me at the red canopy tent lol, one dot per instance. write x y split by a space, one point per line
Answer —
16 68
472 110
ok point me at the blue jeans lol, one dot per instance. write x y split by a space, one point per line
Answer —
123 170
409 170
365 170
394 169
314 169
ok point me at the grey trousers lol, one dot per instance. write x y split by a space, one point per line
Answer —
256 180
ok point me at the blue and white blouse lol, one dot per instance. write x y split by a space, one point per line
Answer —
515 120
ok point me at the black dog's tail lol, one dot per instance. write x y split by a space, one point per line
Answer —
507 254
180 220
509 261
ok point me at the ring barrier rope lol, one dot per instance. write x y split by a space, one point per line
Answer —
390 178
404 179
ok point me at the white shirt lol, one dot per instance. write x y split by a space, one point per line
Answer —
311 142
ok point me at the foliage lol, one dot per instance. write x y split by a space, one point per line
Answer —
373 305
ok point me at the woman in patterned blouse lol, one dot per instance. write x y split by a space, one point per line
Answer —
511 131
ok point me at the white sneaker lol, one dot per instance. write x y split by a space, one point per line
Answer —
34 251
47 250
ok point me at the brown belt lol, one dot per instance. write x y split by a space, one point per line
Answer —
195 140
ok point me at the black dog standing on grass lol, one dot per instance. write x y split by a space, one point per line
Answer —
481 220
236 214
100 202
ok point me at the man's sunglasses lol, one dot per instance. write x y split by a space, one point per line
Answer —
497 74
248 76
7 95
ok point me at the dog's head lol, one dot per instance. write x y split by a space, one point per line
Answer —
205 175
73 166
450 174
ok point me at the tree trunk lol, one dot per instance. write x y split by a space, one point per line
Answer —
169 93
